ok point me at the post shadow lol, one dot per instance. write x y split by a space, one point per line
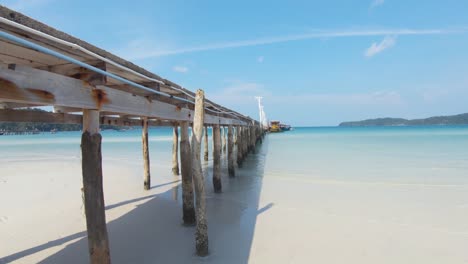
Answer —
153 231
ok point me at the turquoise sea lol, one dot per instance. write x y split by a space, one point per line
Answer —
373 194
429 155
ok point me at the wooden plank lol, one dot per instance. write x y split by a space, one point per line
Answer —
28 56
146 159
98 243
31 86
216 159
188 210
201 233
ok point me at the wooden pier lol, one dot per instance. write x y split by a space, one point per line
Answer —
41 66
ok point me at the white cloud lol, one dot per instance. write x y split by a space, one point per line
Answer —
260 59
375 48
376 3
180 69
319 34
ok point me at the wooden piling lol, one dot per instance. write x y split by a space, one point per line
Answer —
231 161
201 233
175 149
252 138
205 158
245 142
216 159
146 159
223 138
98 243
239 146
235 135
188 210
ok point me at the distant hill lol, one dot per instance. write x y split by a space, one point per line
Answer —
461 119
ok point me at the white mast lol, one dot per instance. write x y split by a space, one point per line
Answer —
263 119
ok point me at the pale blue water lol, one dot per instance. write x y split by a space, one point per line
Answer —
427 155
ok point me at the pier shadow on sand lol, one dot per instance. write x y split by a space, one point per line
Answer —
153 232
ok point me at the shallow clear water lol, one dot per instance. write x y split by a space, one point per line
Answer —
422 155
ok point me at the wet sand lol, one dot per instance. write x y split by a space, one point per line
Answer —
264 215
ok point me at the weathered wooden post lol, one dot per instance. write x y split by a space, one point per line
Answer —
239 146
231 161
175 148
206 144
235 135
216 159
146 159
201 233
245 142
252 137
188 210
223 138
98 243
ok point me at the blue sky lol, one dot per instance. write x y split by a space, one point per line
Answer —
314 62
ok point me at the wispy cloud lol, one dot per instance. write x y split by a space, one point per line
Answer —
180 69
376 3
369 98
260 59
375 48
149 53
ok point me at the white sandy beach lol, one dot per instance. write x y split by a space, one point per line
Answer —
263 216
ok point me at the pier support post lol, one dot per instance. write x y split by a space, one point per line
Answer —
231 170
223 138
146 159
245 142
98 243
216 159
205 158
252 138
175 149
201 233
235 135
188 210
240 147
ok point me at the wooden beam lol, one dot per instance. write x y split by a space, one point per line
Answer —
5 105
216 159
175 149
8 115
231 161
31 86
146 159
201 233
188 210
98 243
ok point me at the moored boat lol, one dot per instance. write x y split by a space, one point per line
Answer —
275 127
284 127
